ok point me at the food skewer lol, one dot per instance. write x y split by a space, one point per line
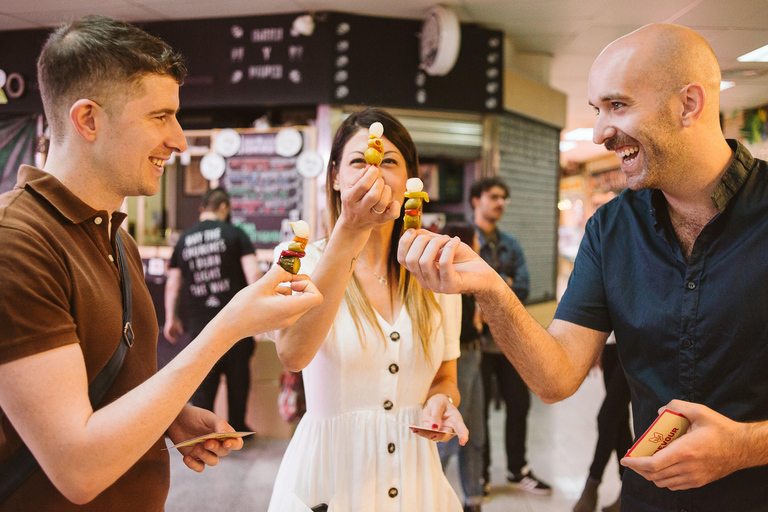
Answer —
415 196
290 258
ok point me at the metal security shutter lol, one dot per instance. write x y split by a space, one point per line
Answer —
528 153
447 135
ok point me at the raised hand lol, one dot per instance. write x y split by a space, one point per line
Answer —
368 201
443 264
268 304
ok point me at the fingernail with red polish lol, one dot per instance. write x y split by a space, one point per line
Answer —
434 425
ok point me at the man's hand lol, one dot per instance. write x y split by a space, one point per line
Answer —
194 422
443 264
173 329
714 447
439 414
268 304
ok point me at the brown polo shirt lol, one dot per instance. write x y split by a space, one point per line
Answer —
59 284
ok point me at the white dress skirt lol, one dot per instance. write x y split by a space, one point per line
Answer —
349 451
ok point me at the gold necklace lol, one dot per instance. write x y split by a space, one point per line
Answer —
382 280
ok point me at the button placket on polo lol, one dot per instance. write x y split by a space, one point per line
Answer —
100 237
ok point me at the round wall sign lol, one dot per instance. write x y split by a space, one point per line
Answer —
227 142
309 164
212 166
288 142
439 41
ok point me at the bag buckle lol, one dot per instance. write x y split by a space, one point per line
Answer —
128 334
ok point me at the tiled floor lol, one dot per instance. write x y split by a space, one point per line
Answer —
561 441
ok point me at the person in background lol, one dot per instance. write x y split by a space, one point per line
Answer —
674 265
613 430
110 93
503 253
379 355
470 383
212 261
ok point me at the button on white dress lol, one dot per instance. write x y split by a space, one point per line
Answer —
347 451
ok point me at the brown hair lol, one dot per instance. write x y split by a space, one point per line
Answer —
100 59
420 304
213 199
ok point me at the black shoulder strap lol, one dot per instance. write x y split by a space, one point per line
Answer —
22 464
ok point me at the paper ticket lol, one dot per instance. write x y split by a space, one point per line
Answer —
214 435
667 427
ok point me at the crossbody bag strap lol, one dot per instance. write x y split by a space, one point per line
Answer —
22 464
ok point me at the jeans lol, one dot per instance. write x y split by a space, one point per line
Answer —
472 409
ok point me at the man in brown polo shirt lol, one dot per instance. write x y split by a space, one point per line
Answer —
110 93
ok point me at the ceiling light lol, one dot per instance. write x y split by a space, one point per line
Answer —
724 84
759 55
567 145
579 134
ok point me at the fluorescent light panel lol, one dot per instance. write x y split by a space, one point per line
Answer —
759 55
579 134
724 84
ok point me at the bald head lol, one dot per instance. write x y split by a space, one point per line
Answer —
656 93
667 57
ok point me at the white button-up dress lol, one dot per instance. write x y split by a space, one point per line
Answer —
348 451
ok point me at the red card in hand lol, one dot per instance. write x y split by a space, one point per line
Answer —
425 429
667 427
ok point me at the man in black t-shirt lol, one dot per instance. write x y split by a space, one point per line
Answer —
212 261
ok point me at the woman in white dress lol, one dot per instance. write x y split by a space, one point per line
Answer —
378 354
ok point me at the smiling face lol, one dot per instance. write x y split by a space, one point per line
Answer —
393 168
135 141
634 117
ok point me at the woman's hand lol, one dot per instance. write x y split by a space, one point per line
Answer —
368 201
440 414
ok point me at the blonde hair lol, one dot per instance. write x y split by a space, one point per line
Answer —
421 305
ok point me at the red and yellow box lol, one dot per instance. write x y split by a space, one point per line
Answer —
668 426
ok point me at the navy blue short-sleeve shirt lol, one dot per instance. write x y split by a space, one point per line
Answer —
694 330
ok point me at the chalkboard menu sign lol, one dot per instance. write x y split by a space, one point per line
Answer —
262 61
265 190
376 62
256 60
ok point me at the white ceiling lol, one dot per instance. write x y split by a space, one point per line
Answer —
571 32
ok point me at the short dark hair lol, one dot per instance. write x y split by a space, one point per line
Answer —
484 184
100 59
213 199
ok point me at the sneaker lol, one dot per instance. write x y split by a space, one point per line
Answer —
526 481
486 489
